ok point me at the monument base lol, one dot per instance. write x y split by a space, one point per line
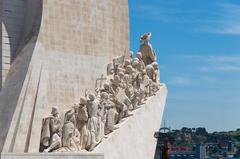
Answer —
133 140
71 155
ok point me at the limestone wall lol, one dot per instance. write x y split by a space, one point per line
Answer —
57 63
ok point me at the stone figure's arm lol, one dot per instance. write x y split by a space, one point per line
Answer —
55 125
152 54
85 115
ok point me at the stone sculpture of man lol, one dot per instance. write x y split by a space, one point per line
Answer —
148 55
152 72
82 120
93 122
51 132
71 135
141 65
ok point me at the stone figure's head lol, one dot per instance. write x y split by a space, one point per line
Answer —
116 79
104 95
54 111
135 64
126 63
120 74
129 69
139 55
70 113
106 86
145 37
155 65
83 100
131 54
91 96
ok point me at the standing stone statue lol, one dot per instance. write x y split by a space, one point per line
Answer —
82 120
51 132
93 122
71 138
148 54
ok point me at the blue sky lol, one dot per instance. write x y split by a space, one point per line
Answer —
198 47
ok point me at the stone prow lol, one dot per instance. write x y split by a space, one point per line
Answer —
134 139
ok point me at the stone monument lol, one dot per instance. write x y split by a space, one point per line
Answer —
68 88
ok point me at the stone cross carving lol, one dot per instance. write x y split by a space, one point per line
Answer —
101 79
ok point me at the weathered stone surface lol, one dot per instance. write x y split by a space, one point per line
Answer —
57 62
134 139
65 46
53 156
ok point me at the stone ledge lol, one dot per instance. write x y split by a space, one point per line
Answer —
77 155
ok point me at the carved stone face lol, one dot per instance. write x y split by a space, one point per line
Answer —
120 74
83 100
146 37
54 111
126 63
104 95
139 55
129 69
106 86
135 64
116 79
91 96
155 65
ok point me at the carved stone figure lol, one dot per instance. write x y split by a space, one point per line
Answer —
123 103
127 85
156 72
51 132
111 119
151 72
71 138
82 120
148 54
93 121
141 65
70 134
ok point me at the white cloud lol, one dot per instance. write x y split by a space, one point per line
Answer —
179 80
214 58
214 63
227 21
218 18
223 68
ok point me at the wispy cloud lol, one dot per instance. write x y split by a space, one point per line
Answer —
213 63
180 80
215 58
217 17
186 81
228 21
223 68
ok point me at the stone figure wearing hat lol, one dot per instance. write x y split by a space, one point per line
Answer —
51 132
148 55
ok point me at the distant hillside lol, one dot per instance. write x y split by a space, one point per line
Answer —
189 136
